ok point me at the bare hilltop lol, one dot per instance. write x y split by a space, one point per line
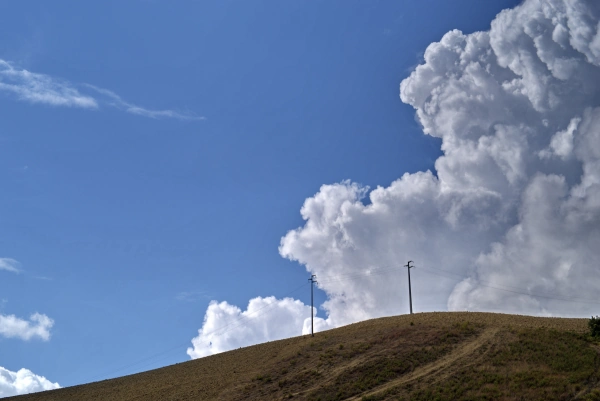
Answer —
426 356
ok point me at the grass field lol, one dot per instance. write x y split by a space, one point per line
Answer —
428 356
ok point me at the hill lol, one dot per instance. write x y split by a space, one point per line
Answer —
427 356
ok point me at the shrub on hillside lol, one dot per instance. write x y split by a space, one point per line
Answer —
594 325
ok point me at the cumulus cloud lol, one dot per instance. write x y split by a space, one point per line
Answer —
38 325
515 201
44 89
10 265
23 381
265 319
512 213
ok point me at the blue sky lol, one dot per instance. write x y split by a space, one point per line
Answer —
124 223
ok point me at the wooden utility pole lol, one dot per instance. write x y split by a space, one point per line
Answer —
312 283
408 266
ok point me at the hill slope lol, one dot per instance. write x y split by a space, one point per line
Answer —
428 356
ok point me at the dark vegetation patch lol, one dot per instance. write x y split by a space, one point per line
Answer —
326 370
536 364
594 325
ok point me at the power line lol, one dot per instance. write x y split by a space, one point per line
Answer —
242 319
514 289
372 271
444 273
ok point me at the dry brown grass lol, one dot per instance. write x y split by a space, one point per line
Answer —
428 356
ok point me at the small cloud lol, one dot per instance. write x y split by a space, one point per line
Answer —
42 278
20 170
38 325
116 101
40 88
10 265
191 296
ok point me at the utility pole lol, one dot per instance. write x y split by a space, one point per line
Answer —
312 282
408 266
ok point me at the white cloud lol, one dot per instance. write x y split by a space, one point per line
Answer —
10 265
265 319
191 296
38 325
40 88
45 89
562 142
116 101
23 381
515 203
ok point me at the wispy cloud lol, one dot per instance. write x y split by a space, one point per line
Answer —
14 266
10 265
44 89
40 88
42 278
191 296
117 101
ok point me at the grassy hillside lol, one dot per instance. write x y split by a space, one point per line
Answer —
429 356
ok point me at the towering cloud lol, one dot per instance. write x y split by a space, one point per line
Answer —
512 213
